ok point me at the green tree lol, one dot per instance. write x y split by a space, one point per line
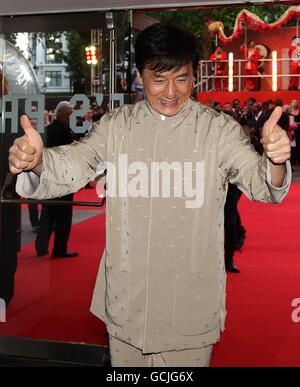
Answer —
11 37
75 58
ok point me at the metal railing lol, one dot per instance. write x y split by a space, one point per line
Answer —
9 196
206 76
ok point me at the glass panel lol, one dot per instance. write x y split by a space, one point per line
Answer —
45 287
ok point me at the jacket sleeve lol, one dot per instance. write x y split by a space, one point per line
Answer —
241 165
67 168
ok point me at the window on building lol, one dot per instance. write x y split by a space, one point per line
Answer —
54 52
53 78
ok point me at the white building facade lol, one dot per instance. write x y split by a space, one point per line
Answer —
46 57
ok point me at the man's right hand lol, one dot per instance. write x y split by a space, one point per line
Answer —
27 151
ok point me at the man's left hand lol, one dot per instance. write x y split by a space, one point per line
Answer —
275 140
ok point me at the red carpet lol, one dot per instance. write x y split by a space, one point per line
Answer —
52 297
259 329
87 195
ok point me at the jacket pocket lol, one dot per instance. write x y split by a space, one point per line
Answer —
116 295
198 301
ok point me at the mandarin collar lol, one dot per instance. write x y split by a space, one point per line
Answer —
160 117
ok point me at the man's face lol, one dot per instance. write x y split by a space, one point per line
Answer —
227 107
168 91
89 115
271 106
65 118
236 104
210 103
294 104
256 108
218 107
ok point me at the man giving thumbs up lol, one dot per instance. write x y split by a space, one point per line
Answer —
161 284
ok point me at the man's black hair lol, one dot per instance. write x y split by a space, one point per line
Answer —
165 47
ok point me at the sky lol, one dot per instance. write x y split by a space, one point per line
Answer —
22 43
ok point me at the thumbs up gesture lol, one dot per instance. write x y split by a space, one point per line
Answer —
26 152
275 140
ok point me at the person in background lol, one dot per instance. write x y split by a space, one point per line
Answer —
98 113
236 109
88 117
265 106
57 218
271 105
256 123
258 119
234 231
227 109
294 114
217 106
47 118
252 55
294 55
210 103
284 120
245 114
10 216
260 70
293 127
138 89
219 58
233 228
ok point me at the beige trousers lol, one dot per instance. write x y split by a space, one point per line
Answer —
125 355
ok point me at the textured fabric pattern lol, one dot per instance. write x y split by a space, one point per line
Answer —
161 283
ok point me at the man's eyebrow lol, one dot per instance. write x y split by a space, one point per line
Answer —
178 76
183 74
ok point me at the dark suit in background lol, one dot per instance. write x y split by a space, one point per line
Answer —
56 218
232 226
255 123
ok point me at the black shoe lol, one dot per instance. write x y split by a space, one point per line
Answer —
67 254
232 268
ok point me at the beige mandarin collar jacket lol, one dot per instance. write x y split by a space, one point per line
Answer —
161 283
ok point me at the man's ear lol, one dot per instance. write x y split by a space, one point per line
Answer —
139 77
